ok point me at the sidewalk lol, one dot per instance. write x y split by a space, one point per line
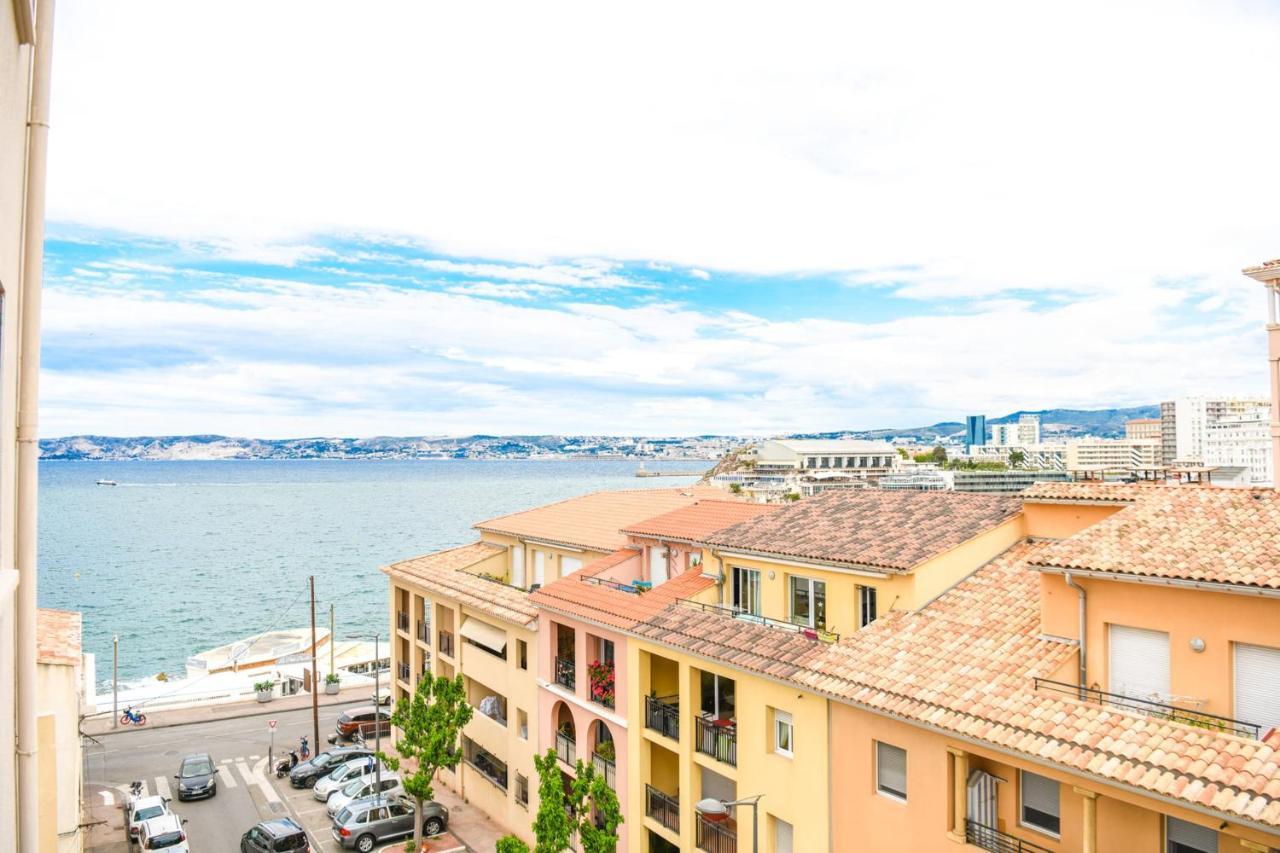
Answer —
101 724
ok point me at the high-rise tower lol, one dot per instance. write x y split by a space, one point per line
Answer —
1269 275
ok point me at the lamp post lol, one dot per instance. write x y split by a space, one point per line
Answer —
712 806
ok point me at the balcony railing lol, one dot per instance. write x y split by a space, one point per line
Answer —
663 808
566 673
717 738
404 672
424 632
607 768
989 838
819 634
445 645
662 714
716 836
1151 708
566 748
402 621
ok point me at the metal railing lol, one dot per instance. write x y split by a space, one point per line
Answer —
404 672
612 584
1152 708
716 836
717 738
661 807
402 621
485 763
566 748
607 768
662 714
566 673
818 634
990 838
424 632
445 644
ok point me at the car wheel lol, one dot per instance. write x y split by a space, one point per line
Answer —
364 843
433 826
310 782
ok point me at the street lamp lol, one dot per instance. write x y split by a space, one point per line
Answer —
720 808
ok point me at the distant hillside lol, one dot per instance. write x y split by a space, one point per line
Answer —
1055 423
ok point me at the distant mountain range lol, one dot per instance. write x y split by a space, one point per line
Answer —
1055 424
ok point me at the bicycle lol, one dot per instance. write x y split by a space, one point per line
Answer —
132 717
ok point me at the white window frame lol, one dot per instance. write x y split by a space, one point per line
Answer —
794 584
517 566
752 585
540 568
863 592
658 556
880 788
1022 819
781 719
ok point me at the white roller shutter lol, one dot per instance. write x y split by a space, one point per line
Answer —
569 565
1257 685
539 568
517 566
783 840
658 565
1138 662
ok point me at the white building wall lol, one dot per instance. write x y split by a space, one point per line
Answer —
1243 441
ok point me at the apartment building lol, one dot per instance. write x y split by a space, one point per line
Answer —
1168 432
1193 416
849 455
1101 454
467 611
1242 440
1142 428
975 431
1026 431
39 781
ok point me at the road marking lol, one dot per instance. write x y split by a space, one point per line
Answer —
107 798
245 772
253 757
225 761
162 788
224 775
268 790
143 792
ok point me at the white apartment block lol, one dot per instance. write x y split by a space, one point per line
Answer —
869 457
1044 457
1024 433
1113 455
1243 442
1194 415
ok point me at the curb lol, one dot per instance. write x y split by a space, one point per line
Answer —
214 719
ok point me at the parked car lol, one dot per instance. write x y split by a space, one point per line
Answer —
273 836
365 786
364 823
163 833
363 720
196 777
142 810
343 774
308 772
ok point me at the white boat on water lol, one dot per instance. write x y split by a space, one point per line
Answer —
107 483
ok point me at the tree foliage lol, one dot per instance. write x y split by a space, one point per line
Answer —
552 827
511 844
429 723
939 454
1017 457
589 810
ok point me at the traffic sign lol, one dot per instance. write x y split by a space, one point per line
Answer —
271 724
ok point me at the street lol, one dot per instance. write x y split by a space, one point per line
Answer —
247 788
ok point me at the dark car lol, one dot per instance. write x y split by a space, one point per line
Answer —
363 720
275 836
308 772
197 777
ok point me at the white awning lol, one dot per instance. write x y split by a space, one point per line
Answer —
484 634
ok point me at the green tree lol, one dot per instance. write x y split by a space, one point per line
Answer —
552 827
736 488
429 723
511 844
902 451
1017 457
939 454
595 802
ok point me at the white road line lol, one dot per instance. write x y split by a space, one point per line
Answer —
225 777
162 788
225 761
254 757
108 799
245 772
268 790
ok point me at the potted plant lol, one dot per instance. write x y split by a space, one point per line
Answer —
331 683
265 690
602 682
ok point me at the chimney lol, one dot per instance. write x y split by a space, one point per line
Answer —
1269 275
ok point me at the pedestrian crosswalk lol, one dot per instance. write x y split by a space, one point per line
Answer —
251 770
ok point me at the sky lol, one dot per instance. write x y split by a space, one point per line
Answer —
281 219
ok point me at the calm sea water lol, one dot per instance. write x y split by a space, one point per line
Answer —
185 556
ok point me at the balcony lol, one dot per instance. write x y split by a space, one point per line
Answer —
816 634
1150 708
602 683
663 808
716 836
403 672
996 841
566 673
424 632
606 768
717 738
566 748
662 714
445 644
402 621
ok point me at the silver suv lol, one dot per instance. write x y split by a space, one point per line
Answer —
362 824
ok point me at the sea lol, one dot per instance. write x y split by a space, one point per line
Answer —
183 556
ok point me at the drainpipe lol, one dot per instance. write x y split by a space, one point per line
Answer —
28 449
1080 591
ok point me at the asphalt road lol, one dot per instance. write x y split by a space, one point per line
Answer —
246 793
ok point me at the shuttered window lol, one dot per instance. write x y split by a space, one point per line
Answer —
782 836
1257 685
891 770
1040 809
1139 662
517 566
658 565
1183 837
569 565
539 568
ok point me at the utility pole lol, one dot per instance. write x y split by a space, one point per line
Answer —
315 675
332 640
115 681
377 716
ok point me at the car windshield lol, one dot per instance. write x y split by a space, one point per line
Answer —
353 787
167 839
197 767
149 812
324 759
343 816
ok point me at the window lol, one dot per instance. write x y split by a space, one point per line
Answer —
866 605
522 724
891 771
539 568
1039 808
717 696
517 566
808 602
826 462
399 809
783 733
783 836
1138 662
522 654
522 790
1184 837
658 564
1257 685
746 590
811 462
605 651
839 462
569 565
693 559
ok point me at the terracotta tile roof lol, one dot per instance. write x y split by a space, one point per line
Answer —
1092 492
893 530
445 572
578 595
1265 266
57 637
698 520
1216 535
594 521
